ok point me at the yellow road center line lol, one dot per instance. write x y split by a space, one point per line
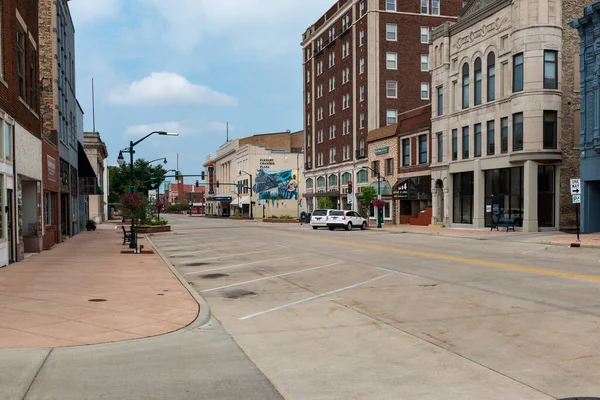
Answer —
552 272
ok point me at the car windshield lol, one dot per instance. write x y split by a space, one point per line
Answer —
320 212
337 213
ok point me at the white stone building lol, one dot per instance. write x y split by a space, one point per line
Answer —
497 111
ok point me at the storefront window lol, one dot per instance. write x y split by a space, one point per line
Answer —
477 139
362 176
463 198
320 182
387 211
454 144
504 194
333 181
546 195
346 177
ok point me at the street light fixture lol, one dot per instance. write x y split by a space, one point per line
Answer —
121 161
251 194
379 215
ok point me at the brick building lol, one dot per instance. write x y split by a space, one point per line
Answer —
402 154
62 118
20 142
365 61
180 193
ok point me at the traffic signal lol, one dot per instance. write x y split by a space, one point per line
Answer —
202 175
217 184
349 187
197 183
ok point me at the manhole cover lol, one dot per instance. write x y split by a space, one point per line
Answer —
96 300
195 264
213 276
236 294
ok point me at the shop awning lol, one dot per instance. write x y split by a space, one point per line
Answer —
386 188
88 181
413 188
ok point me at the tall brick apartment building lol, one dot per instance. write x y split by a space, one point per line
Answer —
365 61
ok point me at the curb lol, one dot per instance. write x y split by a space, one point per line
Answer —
204 313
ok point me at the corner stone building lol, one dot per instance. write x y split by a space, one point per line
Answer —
504 109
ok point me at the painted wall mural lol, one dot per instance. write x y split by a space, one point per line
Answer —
275 185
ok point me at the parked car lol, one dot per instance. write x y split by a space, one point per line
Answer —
318 219
346 220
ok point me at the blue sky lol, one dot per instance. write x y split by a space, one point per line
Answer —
190 66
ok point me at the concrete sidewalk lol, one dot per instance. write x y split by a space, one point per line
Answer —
85 291
552 238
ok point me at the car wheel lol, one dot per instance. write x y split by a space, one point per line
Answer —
364 226
349 226
331 228
315 228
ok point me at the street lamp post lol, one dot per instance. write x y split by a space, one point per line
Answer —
121 161
251 194
379 214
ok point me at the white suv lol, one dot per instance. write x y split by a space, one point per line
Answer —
318 218
346 220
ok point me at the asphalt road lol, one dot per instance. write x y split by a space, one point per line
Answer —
378 315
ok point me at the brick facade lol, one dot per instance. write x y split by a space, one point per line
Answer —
361 27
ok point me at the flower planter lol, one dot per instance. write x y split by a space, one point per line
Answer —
281 221
152 229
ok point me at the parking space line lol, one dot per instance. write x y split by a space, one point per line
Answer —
204 251
228 255
538 249
272 276
314 297
237 265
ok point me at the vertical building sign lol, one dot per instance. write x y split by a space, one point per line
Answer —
211 179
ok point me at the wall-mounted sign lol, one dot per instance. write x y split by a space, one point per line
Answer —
266 163
51 167
382 150
211 179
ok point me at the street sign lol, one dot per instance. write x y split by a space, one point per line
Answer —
350 199
576 199
575 186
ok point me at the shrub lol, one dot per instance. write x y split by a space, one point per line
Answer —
162 222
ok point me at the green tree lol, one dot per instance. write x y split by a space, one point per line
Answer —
325 203
145 177
368 194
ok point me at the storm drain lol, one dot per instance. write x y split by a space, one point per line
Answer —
97 300
238 293
213 276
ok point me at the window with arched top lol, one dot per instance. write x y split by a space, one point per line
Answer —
321 182
333 181
346 177
362 176
478 79
309 183
491 77
465 84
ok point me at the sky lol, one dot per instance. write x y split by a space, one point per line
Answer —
190 66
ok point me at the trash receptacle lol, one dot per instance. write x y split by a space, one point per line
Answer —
307 219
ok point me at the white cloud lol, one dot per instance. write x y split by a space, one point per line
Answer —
181 127
86 11
168 89
267 25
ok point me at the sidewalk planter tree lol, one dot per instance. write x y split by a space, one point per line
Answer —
134 206
367 195
325 203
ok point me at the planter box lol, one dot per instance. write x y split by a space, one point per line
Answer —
238 218
153 229
281 221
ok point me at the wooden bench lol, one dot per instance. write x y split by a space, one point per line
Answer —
126 235
498 221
